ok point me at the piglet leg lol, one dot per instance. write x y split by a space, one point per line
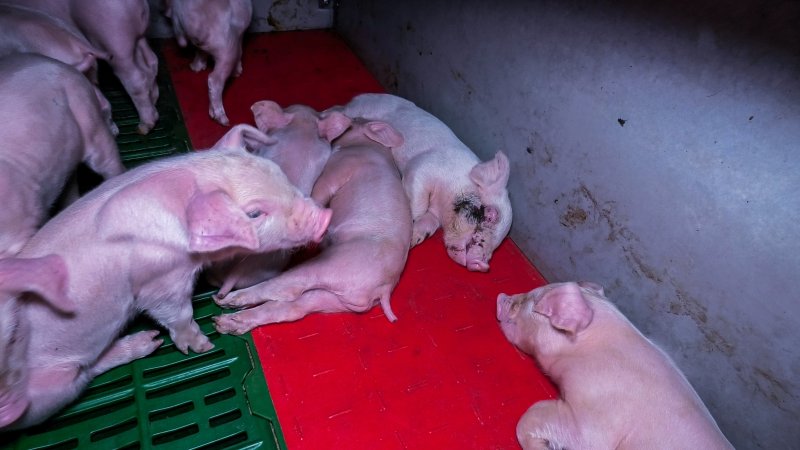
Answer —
425 222
125 350
51 388
317 300
136 71
424 226
287 287
225 60
184 331
200 61
238 70
548 425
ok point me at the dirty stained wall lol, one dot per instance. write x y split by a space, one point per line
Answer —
655 149
268 15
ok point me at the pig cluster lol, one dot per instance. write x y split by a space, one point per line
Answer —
363 182
362 185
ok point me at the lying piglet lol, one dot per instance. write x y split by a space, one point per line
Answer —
446 183
367 244
216 27
50 121
619 391
135 244
301 149
118 28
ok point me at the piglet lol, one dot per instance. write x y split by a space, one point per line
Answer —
367 244
50 121
215 27
448 185
618 389
135 244
24 30
301 149
117 28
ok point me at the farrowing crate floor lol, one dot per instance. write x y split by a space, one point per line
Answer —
443 376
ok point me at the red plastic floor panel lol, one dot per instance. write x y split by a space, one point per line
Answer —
443 376
313 68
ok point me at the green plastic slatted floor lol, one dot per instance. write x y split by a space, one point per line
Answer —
168 137
211 401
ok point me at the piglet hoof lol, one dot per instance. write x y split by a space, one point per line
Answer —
220 117
142 343
223 120
222 299
198 344
242 298
197 66
418 237
231 324
222 303
144 128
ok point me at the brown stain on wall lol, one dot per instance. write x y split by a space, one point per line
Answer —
278 10
573 217
770 387
584 206
538 147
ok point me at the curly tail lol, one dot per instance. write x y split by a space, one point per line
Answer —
386 296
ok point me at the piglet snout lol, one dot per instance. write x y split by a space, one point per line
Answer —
477 266
310 221
503 307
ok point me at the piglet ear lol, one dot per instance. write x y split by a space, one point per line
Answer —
333 125
215 222
492 174
566 308
593 287
46 277
269 116
243 136
384 134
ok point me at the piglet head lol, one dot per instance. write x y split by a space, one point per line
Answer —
303 139
547 320
480 218
513 313
271 224
37 279
270 118
250 206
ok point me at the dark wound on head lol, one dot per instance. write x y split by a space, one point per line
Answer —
469 206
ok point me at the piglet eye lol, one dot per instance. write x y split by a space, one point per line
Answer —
254 213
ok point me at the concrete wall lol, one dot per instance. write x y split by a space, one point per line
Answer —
655 149
268 15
